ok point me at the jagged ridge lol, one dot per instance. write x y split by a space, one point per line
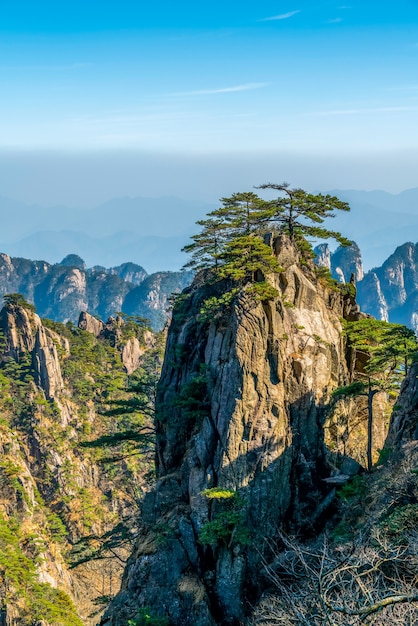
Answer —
61 291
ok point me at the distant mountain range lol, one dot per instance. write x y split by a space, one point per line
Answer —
147 231
378 221
62 290
152 231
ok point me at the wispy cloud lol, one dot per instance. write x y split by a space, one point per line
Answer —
360 111
50 67
336 20
282 16
232 89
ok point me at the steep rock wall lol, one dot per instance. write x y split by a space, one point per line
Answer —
240 407
404 421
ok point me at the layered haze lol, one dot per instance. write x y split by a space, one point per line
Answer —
152 231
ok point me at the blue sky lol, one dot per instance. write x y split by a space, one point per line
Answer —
331 79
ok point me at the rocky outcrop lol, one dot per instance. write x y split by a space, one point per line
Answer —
23 333
46 362
404 421
130 348
240 412
61 291
390 292
344 263
131 354
90 323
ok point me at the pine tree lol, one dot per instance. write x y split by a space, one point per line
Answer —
294 209
387 350
207 245
231 243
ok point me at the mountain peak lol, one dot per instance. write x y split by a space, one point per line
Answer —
73 260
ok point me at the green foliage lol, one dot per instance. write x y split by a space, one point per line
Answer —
145 617
130 430
214 305
294 211
402 520
218 494
348 289
262 291
352 390
56 527
193 399
384 352
288 305
10 475
227 526
94 369
354 488
51 605
234 242
231 245
39 601
325 277
17 300
389 348
246 255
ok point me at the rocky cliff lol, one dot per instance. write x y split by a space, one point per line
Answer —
62 290
404 420
344 263
241 407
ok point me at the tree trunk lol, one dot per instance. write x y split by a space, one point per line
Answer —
370 395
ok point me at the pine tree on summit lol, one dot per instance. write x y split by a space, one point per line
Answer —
232 241
295 208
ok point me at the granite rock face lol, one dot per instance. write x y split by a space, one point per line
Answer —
90 323
24 333
404 421
390 292
240 408
344 264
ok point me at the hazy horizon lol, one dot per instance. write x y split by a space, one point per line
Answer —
85 179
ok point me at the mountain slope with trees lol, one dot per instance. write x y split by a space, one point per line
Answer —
67 505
